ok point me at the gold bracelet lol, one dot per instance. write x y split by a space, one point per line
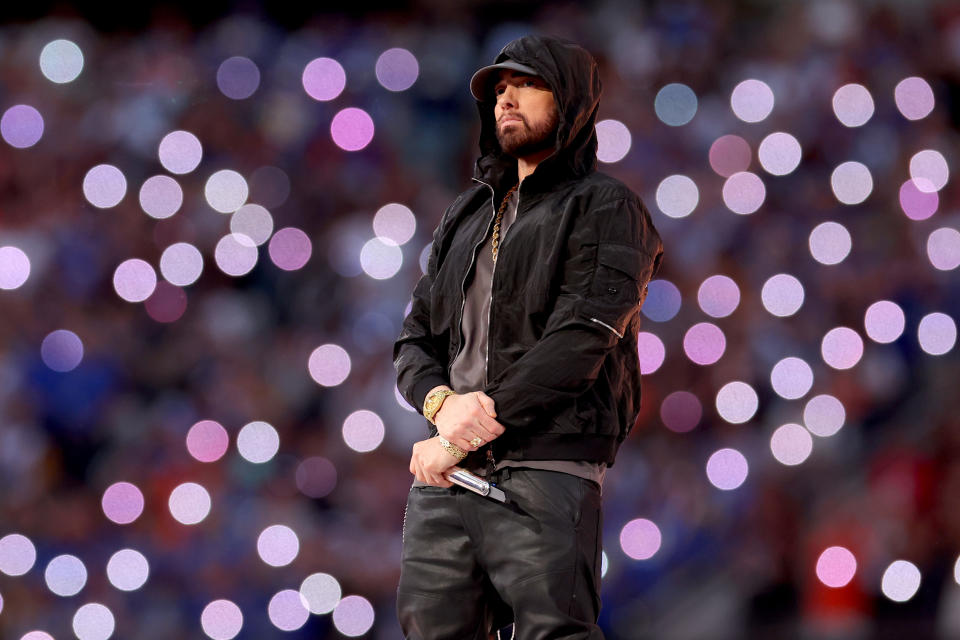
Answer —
452 449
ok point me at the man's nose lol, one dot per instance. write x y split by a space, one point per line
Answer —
508 97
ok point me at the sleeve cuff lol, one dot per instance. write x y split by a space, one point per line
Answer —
423 386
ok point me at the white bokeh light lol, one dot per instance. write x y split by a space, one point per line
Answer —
65 575
363 431
61 61
841 348
221 620
278 545
93 621
395 222
851 182
900 581
943 248
779 153
830 243
329 365
782 295
252 221
791 444
104 186
160 197
727 469
884 321
236 254
380 259
180 152
181 264
929 170
17 554
226 191
287 610
322 592
14 267
824 415
128 570
613 141
640 539
937 333
853 105
353 616
134 280
737 402
677 196
744 192
258 442
752 100
791 378
189 503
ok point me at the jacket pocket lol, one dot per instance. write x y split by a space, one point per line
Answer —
617 289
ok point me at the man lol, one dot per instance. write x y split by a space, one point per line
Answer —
521 349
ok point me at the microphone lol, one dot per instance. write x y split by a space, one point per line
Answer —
475 483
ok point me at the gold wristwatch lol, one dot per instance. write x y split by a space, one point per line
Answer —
433 403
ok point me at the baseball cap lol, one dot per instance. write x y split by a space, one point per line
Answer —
479 83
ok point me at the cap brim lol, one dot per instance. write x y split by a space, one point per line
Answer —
479 83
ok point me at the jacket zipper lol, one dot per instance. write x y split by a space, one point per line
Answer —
493 275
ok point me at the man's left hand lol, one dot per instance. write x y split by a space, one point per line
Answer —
430 461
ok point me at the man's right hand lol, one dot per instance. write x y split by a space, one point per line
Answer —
463 417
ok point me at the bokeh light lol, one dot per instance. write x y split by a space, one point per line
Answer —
914 98
929 170
900 581
316 477
278 545
830 243
17 554
677 196
122 502
824 415
782 295
681 411
943 249
93 621
221 620
226 191
353 616
104 186
675 104
128 570
290 248
324 79
395 222
238 77
727 469
36 635
65 575
662 302
836 567
651 351
791 378
287 610
640 539
729 154
851 182
718 296
853 105
235 254
61 350
752 100
181 264
21 126
363 431
841 348
613 141
134 280
329 365
167 303
352 129
258 442
937 333
884 321
322 592
704 343
189 503
397 69
744 192
779 153
737 402
14 267
253 221
791 444
180 152
380 259
918 203
61 61
160 197
207 441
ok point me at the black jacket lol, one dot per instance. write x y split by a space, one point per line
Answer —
571 275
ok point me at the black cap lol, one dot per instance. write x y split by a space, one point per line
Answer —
480 80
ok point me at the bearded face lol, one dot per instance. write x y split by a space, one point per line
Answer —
520 138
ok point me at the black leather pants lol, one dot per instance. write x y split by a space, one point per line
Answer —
470 565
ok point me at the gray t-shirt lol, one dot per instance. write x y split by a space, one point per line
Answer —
469 368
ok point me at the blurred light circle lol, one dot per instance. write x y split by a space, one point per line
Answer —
729 154
128 570
718 296
160 197
181 264
61 350
744 192
379 259
937 333
122 502
704 343
236 254
290 248
914 98
352 129
61 61
363 431
189 503
737 402
258 442
830 243
406 406
640 539
752 100
93 621
65 575
677 196
21 126
324 79
901 580
167 303
675 104
226 191
104 186
727 469
134 280
396 222
424 258
791 378
221 620
180 152
36 635
782 295
779 153
651 352
329 365
681 411
836 567
322 592
253 221
943 250
956 571
278 545
238 77
851 182
853 105
918 199
14 267
397 69
287 610
841 348
824 415
316 477
662 302
613 141
353 616
604 564
1 603
791 444
17 554
884 321
270 186
207 441
929 169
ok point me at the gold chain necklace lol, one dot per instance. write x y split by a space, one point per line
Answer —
495 242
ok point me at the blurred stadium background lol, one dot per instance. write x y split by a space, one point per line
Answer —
211 220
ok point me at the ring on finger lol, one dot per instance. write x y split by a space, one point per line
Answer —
476 442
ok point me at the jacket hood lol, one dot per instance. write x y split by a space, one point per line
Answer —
574 77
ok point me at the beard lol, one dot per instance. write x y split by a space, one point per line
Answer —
521 141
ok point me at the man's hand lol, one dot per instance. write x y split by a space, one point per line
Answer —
463 417
429 461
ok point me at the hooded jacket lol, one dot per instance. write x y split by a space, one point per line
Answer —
562 363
